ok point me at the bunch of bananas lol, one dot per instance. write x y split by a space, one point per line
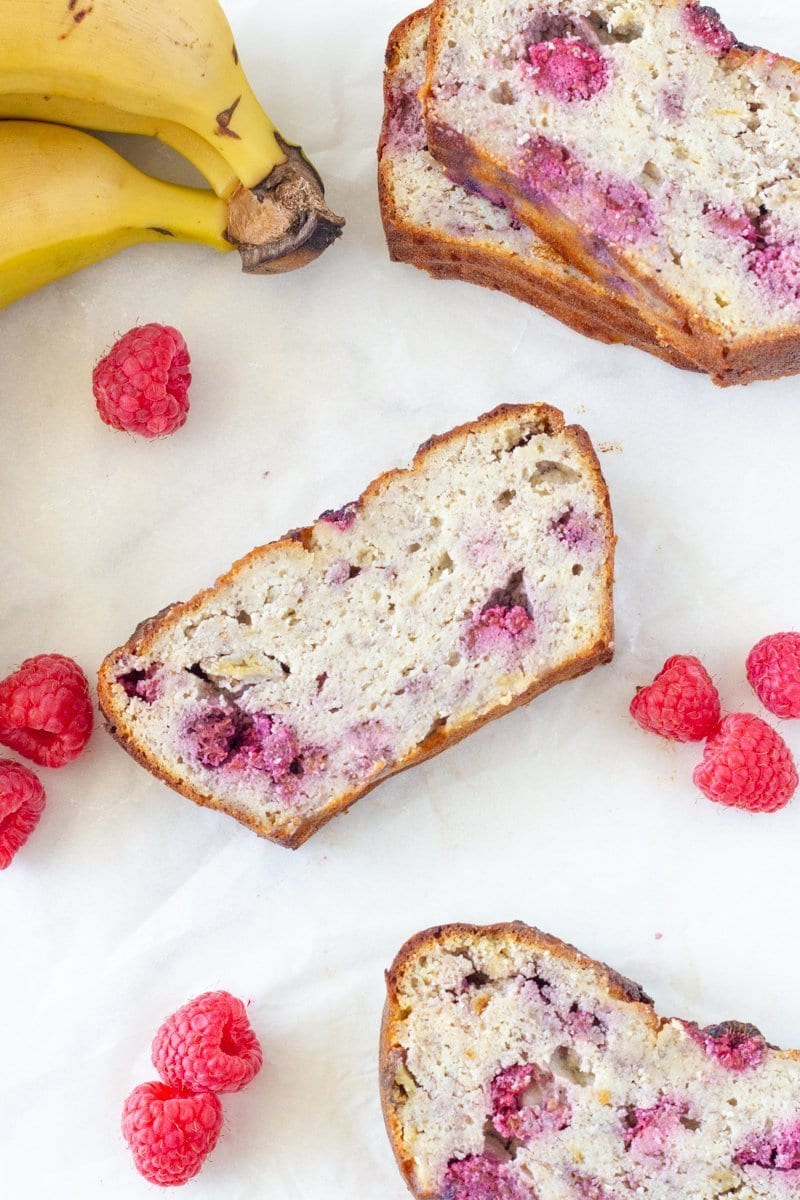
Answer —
164 68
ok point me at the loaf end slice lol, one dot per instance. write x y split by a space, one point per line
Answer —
647 146
438 226
513 1067
320 664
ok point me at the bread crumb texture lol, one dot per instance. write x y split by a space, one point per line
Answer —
321 663
516 1069
652 130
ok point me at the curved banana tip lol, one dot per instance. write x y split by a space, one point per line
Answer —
284 222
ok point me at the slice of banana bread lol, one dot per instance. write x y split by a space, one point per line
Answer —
515 1068
647 146
433 223
322 663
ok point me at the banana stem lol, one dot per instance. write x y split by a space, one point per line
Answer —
284 222
276 229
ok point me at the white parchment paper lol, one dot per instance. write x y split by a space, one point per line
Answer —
129 900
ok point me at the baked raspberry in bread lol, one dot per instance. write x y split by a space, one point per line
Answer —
646 145
515 1068
320 664
433 223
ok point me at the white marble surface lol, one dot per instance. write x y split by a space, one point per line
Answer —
129 899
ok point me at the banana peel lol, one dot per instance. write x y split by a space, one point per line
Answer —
169 69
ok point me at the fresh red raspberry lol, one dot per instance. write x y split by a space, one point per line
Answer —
21 806
746 764
170 1132
681 703
773 668
208 1045
45 710
142 384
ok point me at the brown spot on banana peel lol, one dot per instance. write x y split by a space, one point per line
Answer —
75 17
224 121
284 222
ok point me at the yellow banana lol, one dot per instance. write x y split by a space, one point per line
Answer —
69 200
168 68
86 115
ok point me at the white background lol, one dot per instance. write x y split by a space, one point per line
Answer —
128 899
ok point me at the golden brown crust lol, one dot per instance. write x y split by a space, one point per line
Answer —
576 303
582 304
394 46
617 986
550 421
672 321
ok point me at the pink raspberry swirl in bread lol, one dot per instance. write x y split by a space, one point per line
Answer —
515 1068
646 145
322 663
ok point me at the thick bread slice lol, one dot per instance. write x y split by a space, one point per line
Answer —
649 148
514 1068
436 225
323 663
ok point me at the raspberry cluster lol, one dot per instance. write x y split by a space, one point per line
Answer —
45 715
746 763
207 1047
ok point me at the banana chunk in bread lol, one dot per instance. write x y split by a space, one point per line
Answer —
646 144
320 664
440 227
515 1068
